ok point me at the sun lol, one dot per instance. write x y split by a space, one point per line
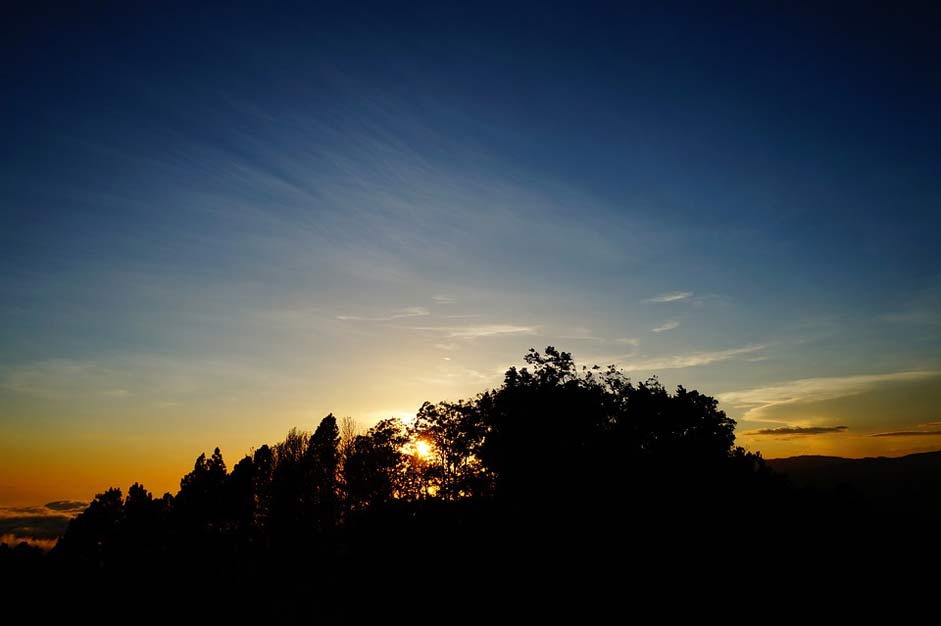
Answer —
423 449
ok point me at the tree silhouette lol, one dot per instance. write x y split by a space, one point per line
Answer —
90 539
542 425
348 432
374 470
454 432
323 463
202 497
242 502
260 497
290 497
559 464
556 428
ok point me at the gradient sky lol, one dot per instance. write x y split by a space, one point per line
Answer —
218 223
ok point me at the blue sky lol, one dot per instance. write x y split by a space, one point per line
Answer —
219 223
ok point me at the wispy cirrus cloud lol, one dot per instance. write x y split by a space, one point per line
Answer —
442 299
909 433
143 378
450 375
672 296
692 359
924 308
667 325
580 333
790 431
760 399
480 330
412 311
923 430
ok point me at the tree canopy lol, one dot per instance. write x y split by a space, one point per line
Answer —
557 455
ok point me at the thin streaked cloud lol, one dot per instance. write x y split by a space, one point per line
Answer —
909 433
664 327
672 296
791 431
412 311
922 430
760 399
692 359
482 330
138 377
580 333
450 376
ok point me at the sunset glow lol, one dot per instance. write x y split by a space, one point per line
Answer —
216 225
423 449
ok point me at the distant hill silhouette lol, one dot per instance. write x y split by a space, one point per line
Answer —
890 504
913 475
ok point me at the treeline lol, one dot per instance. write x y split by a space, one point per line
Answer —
560 471
562 483
552 436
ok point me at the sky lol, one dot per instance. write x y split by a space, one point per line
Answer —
217 223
